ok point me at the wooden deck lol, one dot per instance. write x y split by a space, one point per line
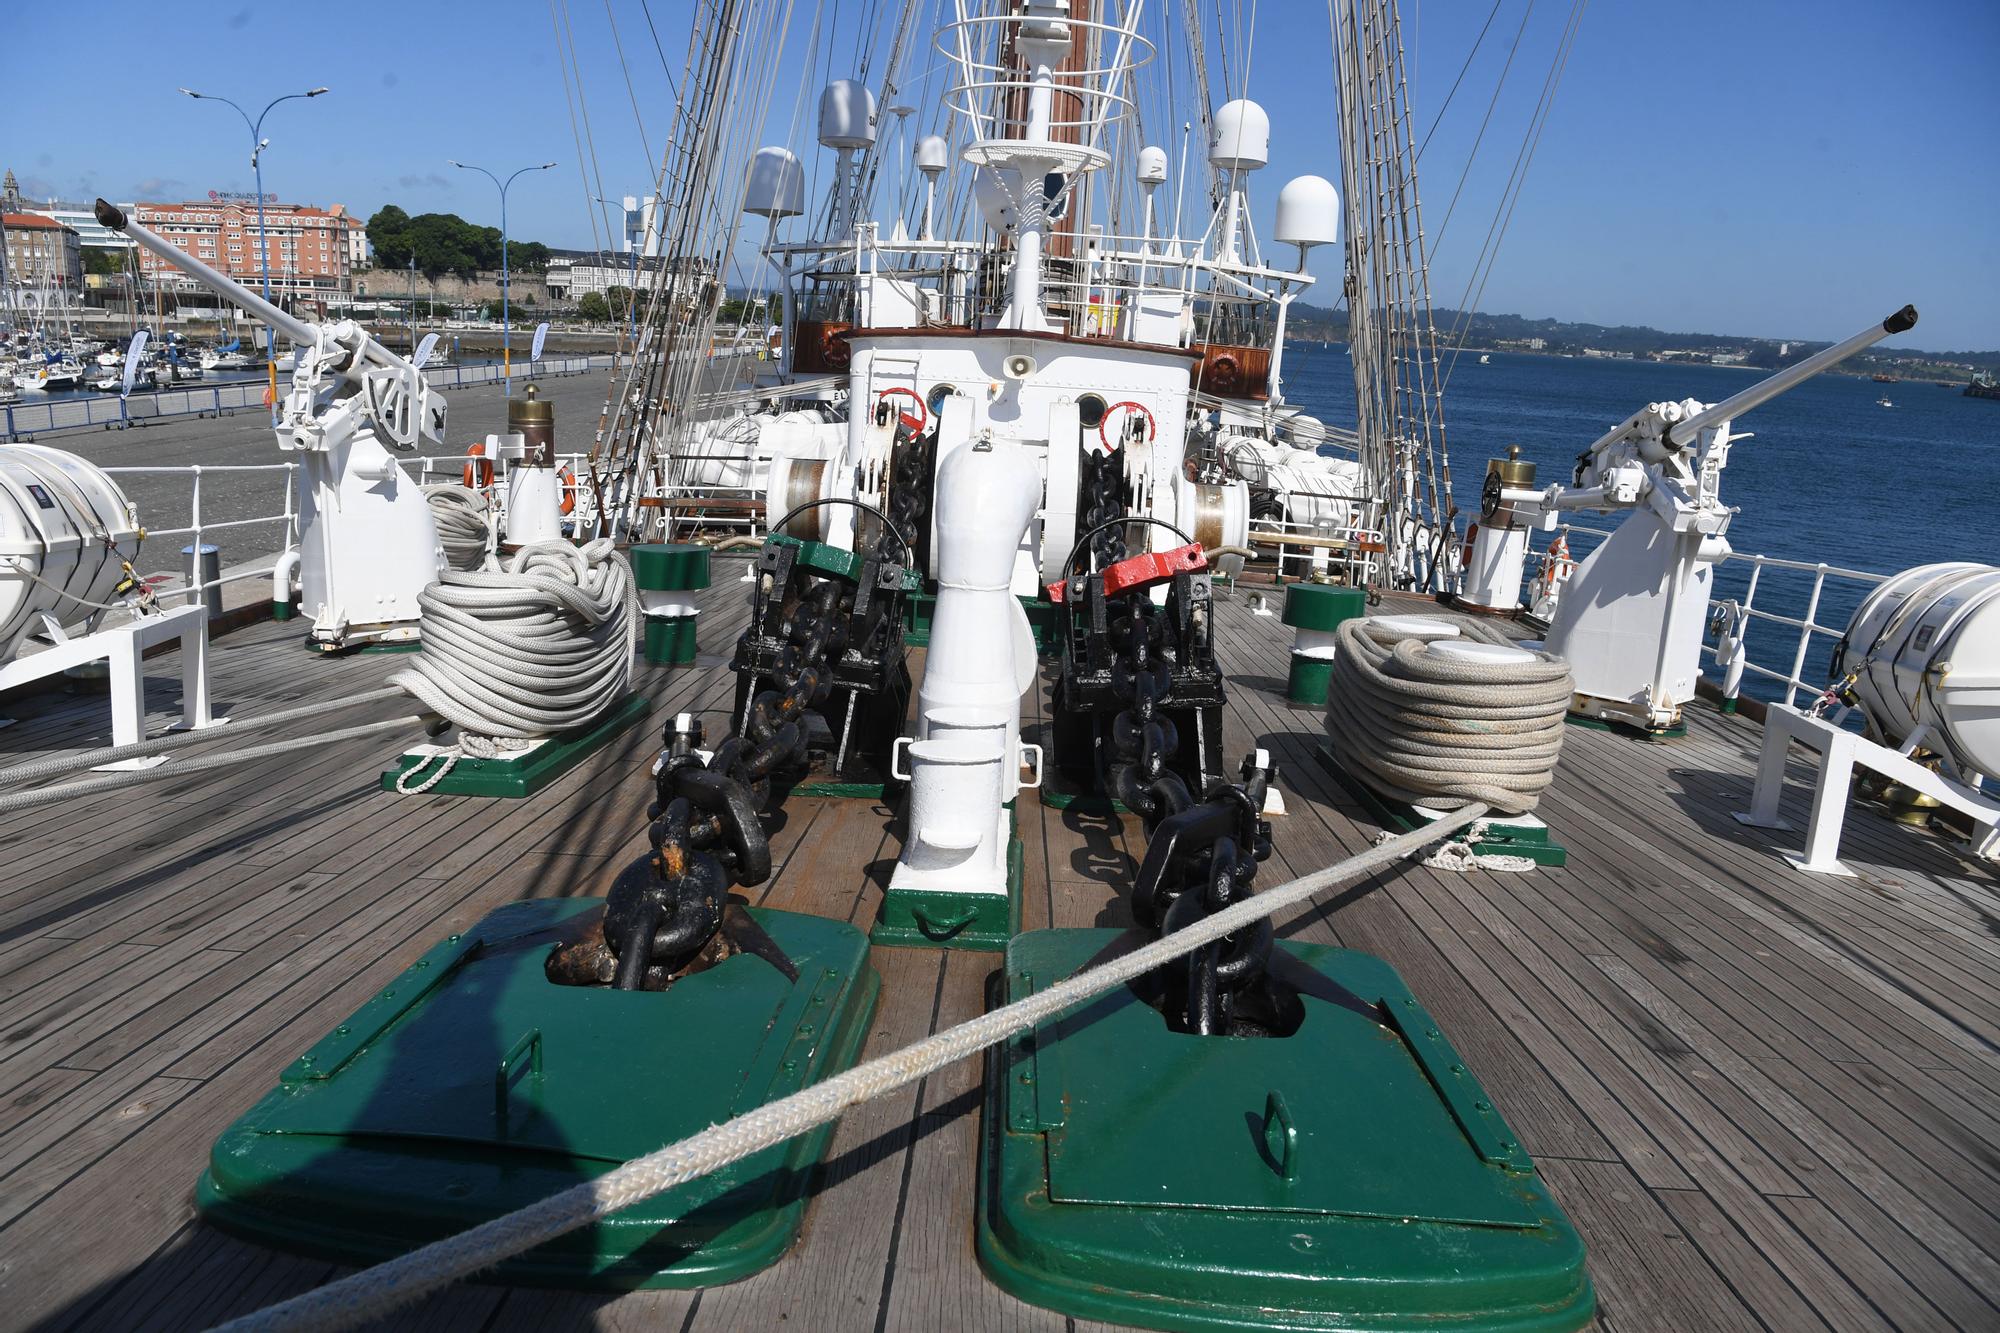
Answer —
1765 1098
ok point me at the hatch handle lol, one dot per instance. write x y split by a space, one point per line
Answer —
1283 1146
530 1045
943 925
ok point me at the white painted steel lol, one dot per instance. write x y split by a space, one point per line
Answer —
66 532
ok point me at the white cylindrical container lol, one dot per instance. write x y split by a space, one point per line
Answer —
956 782
1924 648
65 521
1493 575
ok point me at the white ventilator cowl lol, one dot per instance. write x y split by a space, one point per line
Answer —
1308 212
847 115
775 186
1242 137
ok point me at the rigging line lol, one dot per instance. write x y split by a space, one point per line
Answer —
582 100
1248 45
1569 42
583 177
672 87
1473 154
1517 177
632 93
1491 14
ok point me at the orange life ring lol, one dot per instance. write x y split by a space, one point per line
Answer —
1152 427
567 479
480 467
1225 375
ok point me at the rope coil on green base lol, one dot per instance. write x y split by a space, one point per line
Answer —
1436 731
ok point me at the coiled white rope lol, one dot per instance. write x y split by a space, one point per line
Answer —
461 517
376 1291
517 654
1432 729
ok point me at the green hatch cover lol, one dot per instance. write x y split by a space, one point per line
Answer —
471 1086
1350 1176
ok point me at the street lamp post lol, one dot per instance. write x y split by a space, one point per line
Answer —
645 233
257 146
506 321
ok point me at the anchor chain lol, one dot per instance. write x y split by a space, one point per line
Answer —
1202 853
668 914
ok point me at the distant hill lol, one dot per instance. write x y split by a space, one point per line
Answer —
1558 337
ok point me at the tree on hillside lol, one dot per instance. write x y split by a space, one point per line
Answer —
594 308
446 243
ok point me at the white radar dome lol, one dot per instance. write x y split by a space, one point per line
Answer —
1924 648
1152 166
1242 137
847 115
776 185
932 154
1308 212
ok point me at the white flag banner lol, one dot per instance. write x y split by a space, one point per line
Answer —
424 350
541 336
132 355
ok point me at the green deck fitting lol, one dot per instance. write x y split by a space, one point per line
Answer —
526 776
670 640
1353 1175
283 610
473 1086
1529 838
977 922
676 567
1322 606
1616 728
1044 621
836 789
1308 679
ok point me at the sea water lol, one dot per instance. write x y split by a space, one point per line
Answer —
1828 475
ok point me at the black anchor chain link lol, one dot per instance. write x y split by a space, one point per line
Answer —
1202 854
667 913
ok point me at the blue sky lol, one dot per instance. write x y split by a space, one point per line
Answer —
1750 167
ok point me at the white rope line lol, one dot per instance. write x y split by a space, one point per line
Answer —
376 1291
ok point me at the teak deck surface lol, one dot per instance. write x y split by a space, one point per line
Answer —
1766 1098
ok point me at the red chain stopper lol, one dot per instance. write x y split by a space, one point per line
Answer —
1139 572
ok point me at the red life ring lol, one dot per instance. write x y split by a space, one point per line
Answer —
1225 375
480 467
917 423
834 349
1152 427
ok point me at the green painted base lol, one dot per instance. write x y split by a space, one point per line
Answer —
331 650
1308 679
283 610
1057 796
845 791
473 1086
1674 732
977 922
1353 1175
541 766
1044 620
1529 838
670 640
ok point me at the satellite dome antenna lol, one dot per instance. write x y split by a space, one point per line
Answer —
932 156
1242 144
847 118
